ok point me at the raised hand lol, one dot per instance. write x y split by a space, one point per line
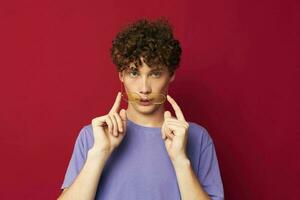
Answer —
175 132
109 130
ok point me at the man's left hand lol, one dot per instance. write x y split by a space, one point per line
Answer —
175 133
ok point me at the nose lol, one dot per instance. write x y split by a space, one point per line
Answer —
146 89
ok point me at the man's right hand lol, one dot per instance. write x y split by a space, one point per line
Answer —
109 130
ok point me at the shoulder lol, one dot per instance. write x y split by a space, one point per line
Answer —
199 134
85 136
87 129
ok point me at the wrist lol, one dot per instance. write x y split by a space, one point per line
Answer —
181 162
99 153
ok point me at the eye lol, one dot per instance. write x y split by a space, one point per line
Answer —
133 73
156 74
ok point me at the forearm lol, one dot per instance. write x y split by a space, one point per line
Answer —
190 187
85 184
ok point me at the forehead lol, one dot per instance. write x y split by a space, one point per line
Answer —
145 67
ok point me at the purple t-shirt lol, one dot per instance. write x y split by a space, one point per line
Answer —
140 168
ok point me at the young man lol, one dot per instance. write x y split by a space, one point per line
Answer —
144 153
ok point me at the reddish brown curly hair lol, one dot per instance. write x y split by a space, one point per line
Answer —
152 40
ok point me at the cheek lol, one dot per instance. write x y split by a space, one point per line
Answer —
161 86
129 84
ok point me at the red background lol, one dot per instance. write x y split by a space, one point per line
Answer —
238 78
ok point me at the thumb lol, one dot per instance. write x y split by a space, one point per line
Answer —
123 115
166 131
167 114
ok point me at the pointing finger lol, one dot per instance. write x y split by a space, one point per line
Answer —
117 103
176 108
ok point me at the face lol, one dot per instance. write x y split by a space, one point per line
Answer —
146 81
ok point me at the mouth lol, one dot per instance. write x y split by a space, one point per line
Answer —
145 102
144 99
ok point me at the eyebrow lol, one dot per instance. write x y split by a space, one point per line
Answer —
155 69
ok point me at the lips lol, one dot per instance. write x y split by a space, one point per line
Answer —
145 102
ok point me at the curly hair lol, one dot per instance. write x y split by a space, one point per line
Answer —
152 40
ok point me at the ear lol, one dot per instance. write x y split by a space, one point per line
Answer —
121 76
172 77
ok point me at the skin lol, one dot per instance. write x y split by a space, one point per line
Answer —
145 81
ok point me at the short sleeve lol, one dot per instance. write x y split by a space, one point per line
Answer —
209 172
77 159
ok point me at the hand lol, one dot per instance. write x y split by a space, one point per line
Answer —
175 133
109 130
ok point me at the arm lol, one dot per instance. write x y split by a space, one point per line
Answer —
175 135
86 165
89 175
190 188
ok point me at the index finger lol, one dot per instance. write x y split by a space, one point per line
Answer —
177 109
117 103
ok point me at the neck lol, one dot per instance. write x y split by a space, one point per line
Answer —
154 119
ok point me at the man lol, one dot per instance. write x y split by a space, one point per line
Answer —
143 152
